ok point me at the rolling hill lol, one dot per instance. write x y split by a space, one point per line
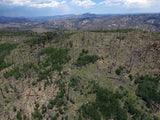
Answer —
80 75
147 22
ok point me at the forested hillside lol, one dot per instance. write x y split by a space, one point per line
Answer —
80 75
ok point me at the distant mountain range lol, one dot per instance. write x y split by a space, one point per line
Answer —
6 20
87 21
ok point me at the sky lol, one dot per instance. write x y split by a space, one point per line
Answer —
34 8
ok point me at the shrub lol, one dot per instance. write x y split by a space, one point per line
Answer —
6 89
41 39
37 115
70 43
55 58
129 105
131 77
27 67
118 30
106 105
34 83
60 111
121 37
5 49
51 104
147 89
84 60
119 70
37 105
61 93
19 117
55 117
73 82
43 109
60 102
83 52
14 108
14 72
25 117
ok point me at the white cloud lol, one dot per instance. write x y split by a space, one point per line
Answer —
131 3
111 2
83 3
137 3
34 3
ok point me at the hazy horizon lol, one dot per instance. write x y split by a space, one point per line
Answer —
62 15
35 8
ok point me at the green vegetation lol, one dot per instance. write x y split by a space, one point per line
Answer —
34 83
83 52
44 74
55 117
5 50
107 104
43 109
71 44
147 89
121 37
14 72
118 30
101 81
73 82
119 70
41 39
51 104
6 89
135 113
36 114
15 33
14 109
84 60
25 117
66 35
19 117
59 101
60 98
26 68
130 77
55 59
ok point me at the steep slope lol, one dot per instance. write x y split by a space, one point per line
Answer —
74 75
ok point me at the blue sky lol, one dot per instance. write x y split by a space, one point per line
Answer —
30 8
